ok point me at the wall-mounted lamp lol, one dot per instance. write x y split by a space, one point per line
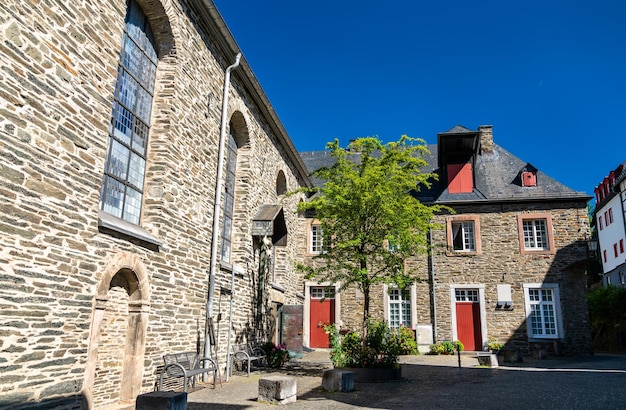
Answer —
592 246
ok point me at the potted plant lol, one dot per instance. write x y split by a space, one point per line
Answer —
447 347
494 346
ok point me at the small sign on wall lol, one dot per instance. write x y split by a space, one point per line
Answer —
505 301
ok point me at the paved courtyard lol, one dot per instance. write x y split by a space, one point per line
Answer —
437 382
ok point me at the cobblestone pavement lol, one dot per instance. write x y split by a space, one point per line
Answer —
437 382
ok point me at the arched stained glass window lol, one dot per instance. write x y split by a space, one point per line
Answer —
125 166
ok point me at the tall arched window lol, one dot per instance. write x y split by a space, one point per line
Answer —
229 196
125 166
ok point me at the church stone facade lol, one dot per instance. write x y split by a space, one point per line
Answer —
110 126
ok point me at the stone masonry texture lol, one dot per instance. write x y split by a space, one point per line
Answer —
86 315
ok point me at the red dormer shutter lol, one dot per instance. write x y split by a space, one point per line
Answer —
529 179
460 179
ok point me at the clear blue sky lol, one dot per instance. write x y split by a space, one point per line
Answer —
550 76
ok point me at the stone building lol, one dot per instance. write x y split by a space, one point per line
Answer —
508 265
114 247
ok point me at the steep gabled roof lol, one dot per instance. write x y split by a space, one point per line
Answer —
496 178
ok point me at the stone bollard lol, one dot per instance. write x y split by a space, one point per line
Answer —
487 359
278 389
162 400
338 380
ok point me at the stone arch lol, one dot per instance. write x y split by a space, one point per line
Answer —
281 184
239 122
125 271
155 11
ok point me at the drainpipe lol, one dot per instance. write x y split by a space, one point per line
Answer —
216 208
431 271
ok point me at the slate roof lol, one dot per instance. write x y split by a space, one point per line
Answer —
496 178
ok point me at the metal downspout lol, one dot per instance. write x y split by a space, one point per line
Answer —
217 206
431 271
230 323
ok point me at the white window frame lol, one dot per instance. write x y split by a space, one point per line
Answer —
535 235
399 301
544 308
316 239
530 236
467 232
469 225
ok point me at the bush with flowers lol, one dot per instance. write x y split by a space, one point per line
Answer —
494 346
276 355
381 348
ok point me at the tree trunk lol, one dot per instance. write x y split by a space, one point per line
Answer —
366 311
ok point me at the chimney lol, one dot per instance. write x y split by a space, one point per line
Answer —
486 138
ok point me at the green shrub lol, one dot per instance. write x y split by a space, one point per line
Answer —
607 310
436 348
382 346
446 347
276 355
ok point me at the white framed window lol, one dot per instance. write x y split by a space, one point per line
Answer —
466 295
322 292
399 307
543 311
121 193
535 233
463 236
315 239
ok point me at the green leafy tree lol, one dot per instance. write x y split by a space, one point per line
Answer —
370 219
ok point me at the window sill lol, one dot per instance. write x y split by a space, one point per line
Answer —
537 251
277 287
122 229
462 253
539 339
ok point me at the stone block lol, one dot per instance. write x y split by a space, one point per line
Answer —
278 389
487 359
338 380
162 400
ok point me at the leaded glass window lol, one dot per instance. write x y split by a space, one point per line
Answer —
229 197
125 165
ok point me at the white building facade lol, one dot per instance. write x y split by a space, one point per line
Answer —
610 219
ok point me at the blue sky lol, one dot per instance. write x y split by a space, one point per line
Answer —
550 76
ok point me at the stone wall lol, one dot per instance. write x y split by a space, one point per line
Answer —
59 272
501 262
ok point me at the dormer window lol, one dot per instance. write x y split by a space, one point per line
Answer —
460 179
529 178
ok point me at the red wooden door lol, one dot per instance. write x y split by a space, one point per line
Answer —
468 325
322 312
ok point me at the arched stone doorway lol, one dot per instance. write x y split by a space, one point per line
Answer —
114 369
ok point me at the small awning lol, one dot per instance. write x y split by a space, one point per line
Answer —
270 221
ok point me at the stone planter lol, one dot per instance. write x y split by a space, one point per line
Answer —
373 375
